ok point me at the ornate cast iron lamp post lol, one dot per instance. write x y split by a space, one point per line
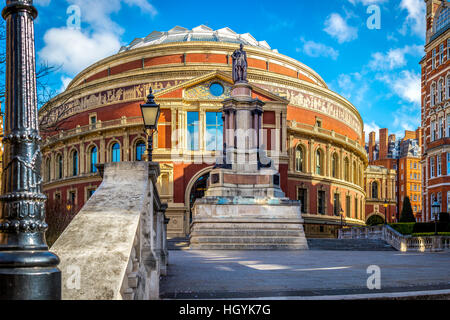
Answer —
27 269
150 112
436 206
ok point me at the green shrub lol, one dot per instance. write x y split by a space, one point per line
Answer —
444 217
426 227
407 213
405 228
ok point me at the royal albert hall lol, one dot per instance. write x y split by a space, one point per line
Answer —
313 135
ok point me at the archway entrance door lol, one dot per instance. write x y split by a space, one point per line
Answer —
198 191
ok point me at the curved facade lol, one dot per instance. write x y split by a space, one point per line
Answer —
314 135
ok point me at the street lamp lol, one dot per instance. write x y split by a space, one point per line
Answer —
435 208
342 216
150 112
28 271
385 205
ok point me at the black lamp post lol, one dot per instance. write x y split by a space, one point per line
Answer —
28 271
435 208
150 112
385 211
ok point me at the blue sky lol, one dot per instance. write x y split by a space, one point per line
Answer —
376 69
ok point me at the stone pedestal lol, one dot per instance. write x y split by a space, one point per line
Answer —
244 206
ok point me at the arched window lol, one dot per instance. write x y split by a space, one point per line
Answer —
59 166
140 150
346 170
75 163
299 159
319 166
93 160
334 165
374 190
355 173
48 169
115 153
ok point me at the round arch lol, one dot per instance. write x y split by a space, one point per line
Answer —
374 218
191 183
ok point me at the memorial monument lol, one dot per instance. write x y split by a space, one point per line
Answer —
244 206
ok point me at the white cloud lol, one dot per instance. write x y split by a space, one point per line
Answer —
315 50
337 27
354 88
406 84
75 50
371 127
65 83
42 3
394 58
415 20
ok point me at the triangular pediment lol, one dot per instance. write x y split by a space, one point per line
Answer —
200 89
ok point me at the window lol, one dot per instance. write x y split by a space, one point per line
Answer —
433 131
334 165
433 94
441 90
214 131
72 200
374 190
319 169
415 165
216 89
193 131
356 208
321 202
48 169
433 60
302 197
355 174
299 159
336 205
442 19
448 163
93 160
431 167
441 53
90 193
448 201
115 153
59 164
346 170
439 172
139 150
347 206
74 163
447 90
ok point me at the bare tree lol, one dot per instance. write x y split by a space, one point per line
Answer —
44 89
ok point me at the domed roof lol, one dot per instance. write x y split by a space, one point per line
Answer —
200 33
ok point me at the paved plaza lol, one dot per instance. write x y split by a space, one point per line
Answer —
274 274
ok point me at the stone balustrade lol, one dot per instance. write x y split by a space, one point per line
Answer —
116 247
397 240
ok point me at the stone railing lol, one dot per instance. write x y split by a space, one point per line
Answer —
99 125
116 248
397 240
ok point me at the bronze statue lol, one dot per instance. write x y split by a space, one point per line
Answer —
239 65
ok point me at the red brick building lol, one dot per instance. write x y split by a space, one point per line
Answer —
435 109
314 136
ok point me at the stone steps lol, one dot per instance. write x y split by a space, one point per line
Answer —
349 244
178 243
249 233
247 246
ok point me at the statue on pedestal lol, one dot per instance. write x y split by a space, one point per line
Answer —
239 65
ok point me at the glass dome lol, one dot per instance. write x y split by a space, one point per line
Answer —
200 33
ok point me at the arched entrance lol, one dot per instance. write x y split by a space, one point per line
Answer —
198 191
374 220
195 190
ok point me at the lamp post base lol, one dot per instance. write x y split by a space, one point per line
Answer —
29 275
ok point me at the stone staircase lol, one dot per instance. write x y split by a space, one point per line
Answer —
235 236
349 244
